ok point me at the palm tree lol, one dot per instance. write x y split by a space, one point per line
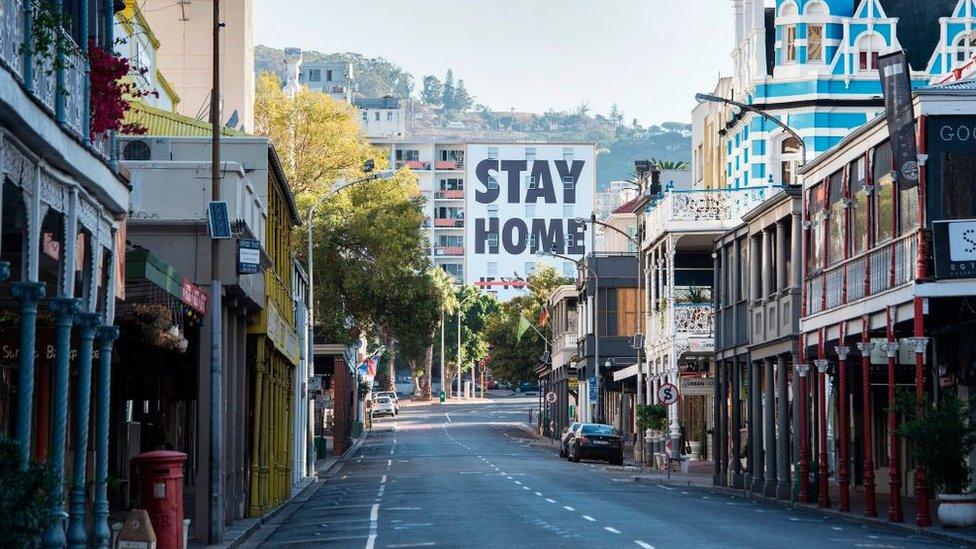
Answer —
670 164
443 287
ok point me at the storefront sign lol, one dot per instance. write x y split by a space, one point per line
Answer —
283 336
594 395
897 88
701 345
955 248
701 386
248 256
194 296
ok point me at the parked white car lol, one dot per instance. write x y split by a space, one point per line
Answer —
392 396
383 406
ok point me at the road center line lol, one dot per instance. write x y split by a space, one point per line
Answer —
550 500
383 480
610 529
589 518
568 508
374 515
643 544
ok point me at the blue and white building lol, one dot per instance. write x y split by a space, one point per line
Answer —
813 64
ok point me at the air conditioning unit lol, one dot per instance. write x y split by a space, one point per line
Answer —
146 149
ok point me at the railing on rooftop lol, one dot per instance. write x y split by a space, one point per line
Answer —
718 206
62 92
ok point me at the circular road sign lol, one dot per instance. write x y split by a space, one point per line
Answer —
551 397
667 394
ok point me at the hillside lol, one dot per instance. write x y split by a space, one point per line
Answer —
619 144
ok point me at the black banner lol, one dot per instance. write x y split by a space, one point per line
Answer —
896 85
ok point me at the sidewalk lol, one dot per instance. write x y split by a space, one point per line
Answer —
700 476
242 531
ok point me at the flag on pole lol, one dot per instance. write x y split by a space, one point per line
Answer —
523 325
543 316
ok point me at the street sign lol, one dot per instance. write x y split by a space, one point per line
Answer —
667 394
955 248
218 219
593 392
551 397
702 386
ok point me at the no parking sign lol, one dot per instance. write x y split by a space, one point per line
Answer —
667 394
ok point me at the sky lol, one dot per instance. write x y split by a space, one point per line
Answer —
648 56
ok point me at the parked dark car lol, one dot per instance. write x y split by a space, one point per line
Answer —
566 438
597 441
526 387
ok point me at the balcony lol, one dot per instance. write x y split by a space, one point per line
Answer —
448 251
449 195
694 319
413 164
448 222
864 275
449 165
60 92
698 210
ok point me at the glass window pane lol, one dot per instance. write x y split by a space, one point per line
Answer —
817 221
908 209
815 43
886 208
958 189
835 240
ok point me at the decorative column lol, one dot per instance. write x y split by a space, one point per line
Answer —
823 495
721 444
782 281
865 346
254 500
749 419
783 441
756 428
843 475
769 428
65 308
736 431
894 467
77 536
804 370
100 530
919 343
28 293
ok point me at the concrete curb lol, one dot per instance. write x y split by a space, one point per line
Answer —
935 533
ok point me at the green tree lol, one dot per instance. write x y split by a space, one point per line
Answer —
462 99
25 497
616 116
511 358
670 164
432 93
476 308
448 90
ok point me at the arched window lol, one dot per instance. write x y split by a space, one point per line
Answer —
788 9
965 48
816 14
869 47
817 8
790 155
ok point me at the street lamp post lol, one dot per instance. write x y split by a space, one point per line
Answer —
460 305
706 98
338 186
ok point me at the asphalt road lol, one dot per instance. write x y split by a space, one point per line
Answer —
466 475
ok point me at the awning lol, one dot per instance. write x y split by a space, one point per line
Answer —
624 373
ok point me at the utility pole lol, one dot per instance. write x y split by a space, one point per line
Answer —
596 318
216 472
444 387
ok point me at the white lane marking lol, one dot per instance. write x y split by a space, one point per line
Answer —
517 481
448 417
526 488
610 529
568 508
643 544
374 515
539 494
389 462
589 518
383 480
550 500
665 488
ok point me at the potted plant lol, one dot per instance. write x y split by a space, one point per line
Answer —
652 420
942 438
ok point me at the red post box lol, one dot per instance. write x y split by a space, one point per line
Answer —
161 490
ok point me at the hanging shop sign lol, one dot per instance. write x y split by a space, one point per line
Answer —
897 90
955 248
248 256
698 386
194 296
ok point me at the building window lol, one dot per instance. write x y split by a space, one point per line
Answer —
868 49
567 182
492 183
530 243
790 154
533 182
492 210
493 153
365 116
570 240
789 33
818 216
492 268
530 211
815 43
837 220
377 116
328 75
530 153
965 48
884 201
314 75
493 242
389 116
568 211
958 191
567 153
860 208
